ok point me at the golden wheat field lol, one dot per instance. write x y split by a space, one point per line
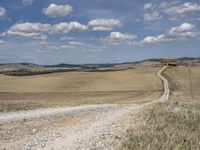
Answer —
72 88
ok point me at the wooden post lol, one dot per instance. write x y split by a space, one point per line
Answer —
190 78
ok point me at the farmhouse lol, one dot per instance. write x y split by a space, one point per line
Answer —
169 62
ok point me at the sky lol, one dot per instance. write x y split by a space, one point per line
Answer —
98 31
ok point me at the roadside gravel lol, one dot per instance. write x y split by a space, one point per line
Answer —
96 132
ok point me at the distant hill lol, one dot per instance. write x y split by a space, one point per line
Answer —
30 67
21 66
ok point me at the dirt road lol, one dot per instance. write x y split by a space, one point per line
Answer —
81 127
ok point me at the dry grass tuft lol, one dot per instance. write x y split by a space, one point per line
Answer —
169 125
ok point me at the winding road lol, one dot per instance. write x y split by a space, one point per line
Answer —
81 127
165 95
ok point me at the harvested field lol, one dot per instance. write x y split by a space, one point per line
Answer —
74 88
180 83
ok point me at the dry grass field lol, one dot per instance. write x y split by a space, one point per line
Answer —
174 124
74 88
180 83
168 125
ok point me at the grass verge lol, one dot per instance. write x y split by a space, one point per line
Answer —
169 125
16 106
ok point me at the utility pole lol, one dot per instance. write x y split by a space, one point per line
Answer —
190 78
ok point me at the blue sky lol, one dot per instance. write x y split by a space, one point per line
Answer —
97 31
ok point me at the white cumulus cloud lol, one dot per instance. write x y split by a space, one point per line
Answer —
27 35
104 24
116 38
72 45
67 27
58 10
40 31
29 30
156 39
183 28
31 27
152 16
180 10
183 32
172 9
148 6
2 12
